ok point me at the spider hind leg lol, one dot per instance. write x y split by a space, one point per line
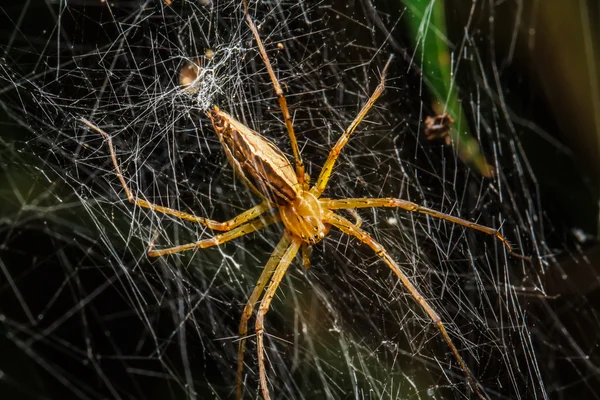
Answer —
238 220
280 98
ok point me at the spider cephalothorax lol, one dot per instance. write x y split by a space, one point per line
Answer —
304 218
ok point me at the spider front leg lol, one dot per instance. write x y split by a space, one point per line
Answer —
265 303
238 220
350 229
365 202
264 278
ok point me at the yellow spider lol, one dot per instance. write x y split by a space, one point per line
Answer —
288 198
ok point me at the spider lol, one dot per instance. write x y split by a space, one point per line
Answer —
287 197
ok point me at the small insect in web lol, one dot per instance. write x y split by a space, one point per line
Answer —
439 127
307 218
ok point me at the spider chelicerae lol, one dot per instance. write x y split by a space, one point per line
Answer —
287 197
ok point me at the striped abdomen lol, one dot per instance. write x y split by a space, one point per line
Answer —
257 161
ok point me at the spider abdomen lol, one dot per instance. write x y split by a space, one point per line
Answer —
256 160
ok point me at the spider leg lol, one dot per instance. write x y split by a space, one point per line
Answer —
264 278
350 229
280 98
219 239
318 189
357 219
209 223
265 303
413 207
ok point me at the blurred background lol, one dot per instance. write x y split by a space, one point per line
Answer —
84 314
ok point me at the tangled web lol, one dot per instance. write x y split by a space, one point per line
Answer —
85 314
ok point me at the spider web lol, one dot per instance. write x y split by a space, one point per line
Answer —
85 314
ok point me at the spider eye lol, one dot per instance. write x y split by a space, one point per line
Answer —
316 229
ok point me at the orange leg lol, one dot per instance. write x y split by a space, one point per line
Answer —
413 207
265 303
240 219
357 218
280 98
218 240
350 229
318 189
264 278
